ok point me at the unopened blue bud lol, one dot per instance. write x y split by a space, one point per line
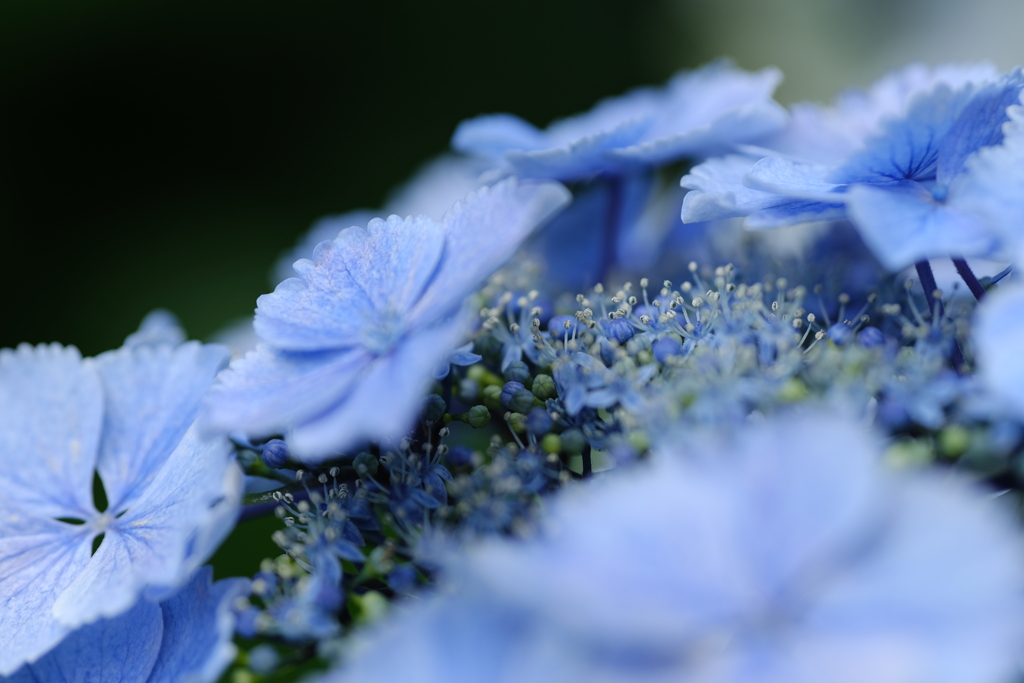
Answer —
508 391
538 421
666 347
573 441
840 333
479 416
619 329
871 337
458 456
434 408
521 401
517 371
275 454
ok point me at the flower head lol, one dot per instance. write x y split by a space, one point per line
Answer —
350 345
121 422
782 553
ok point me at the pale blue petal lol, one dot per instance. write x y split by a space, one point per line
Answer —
464 356
998 336
979 125
568 245
149 544
906 148
793 179
903 226
267 393
324 230
198 626
492 135
51 411
153 394
386 400
34 569
220 521
580 158
481 233
436 186
121 650
158 327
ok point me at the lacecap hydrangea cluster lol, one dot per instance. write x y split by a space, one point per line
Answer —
691 386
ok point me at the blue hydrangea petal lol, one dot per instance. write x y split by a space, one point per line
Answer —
903 226
979 124
581 158
123 649
51 412
34 569
481 233
492 135
198 627
148 545
436 186
324 230
793 179
998 336
266 393
464 356
159 327
153 394
906 148
388 397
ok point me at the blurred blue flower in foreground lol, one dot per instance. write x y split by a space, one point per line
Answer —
939 180
697 113
998 337
185 639
785 554
350 346
119 423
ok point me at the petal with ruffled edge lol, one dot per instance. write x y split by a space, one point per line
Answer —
198 626
122 649
903 226
159 327
481 233
153 394
268 393
51 412
793 179
148 545
386 399
491 135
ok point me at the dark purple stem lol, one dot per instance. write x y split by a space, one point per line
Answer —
928 284
588 463
968 276
610 238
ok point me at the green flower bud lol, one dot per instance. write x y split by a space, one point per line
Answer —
521 401
492 396
551 443
954 441
434 408
544 387
517 421
573 441
365 465
479 416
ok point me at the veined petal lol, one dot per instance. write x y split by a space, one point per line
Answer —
51 412
123 649
198 626
903 226
793 179
153 394
34 569
268 393
481 233
579 158
386 399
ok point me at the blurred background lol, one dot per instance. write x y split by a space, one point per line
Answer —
162 154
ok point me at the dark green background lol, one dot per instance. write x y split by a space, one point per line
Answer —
164 153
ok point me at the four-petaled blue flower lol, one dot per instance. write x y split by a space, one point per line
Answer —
941 180
123 419
350 346
697 113
781 553
184 639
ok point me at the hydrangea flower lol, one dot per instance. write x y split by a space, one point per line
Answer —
937 181
350 346
185 639
697 113
783 552
121 422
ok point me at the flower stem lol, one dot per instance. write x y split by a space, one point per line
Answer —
588 463
968 277
610 238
